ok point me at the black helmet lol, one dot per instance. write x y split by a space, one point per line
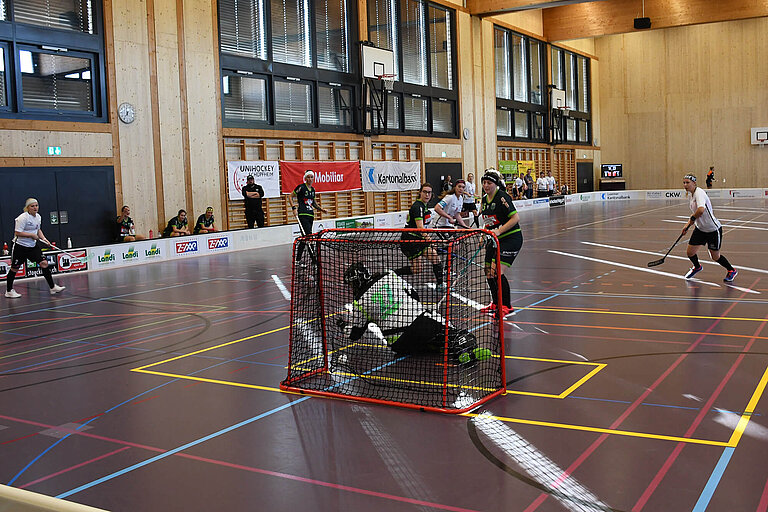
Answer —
357 276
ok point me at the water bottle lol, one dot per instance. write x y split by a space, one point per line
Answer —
69 243
151 234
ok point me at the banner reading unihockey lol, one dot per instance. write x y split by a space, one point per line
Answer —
265 173
390 176
329 176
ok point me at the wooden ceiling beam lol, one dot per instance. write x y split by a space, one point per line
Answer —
595 19
490 7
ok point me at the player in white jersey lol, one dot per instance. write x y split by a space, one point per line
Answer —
707 231
470 199
450 205
28 232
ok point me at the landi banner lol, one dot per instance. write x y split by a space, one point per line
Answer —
329 176
390 176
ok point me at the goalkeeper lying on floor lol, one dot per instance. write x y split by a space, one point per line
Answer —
408 328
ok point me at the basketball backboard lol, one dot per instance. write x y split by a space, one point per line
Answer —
759 135
377 62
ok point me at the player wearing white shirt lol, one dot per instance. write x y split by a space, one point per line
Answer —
541 186
707 231
28 232
551 183
450 206
470 199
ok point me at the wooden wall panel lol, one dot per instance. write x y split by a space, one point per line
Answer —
132 85
617 16
29 143
527 21
681 99
169 110
202 78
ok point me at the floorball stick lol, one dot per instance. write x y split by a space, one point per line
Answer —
660 261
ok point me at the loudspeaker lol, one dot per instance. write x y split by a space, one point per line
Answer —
641 23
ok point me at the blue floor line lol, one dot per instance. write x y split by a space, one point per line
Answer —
714 480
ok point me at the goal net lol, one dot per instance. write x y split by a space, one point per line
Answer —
394 316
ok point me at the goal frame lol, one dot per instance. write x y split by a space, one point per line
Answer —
292 384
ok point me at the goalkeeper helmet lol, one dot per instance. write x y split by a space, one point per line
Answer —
357 276
494 176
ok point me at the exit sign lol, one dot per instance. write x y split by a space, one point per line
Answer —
54 150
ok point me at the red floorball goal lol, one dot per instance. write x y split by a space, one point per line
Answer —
394 316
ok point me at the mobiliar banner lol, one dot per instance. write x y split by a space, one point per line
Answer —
390 176
265 173
329 176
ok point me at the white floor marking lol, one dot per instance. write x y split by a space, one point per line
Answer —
731 220
281 287
739 267
724 225
632 267
644 212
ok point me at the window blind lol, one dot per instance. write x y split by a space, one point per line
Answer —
245 98
331 22
290 32
413 37
75 15
242 28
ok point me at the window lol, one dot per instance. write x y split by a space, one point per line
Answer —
3 98
570 72
421 35
244 98
57 82
52 60
519 77
288 63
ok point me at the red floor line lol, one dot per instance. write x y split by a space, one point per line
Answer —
145 400
619 328
656 481
17 439
543 496
41 479
762 506
245 468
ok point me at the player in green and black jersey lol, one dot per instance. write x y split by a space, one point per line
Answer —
500 217
307 204
419 218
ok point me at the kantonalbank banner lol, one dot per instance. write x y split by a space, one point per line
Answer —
329 176
390 176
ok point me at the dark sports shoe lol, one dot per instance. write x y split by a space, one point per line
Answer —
693 271
730 276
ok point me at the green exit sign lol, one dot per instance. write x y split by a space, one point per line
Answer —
54 150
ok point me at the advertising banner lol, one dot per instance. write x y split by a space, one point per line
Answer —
265 173
524 166
558 200
390 176
185 246
221 242
747 193
359 223
105 256
5 267
508 168
69 264
329 176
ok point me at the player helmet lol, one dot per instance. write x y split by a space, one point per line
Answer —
357 276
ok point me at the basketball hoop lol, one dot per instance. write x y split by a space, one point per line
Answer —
564 110
389 81
761 142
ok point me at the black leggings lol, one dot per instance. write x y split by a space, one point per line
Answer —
306 222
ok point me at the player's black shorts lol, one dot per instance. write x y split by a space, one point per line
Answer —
712 240
412 250
510 247
469 207
20 254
